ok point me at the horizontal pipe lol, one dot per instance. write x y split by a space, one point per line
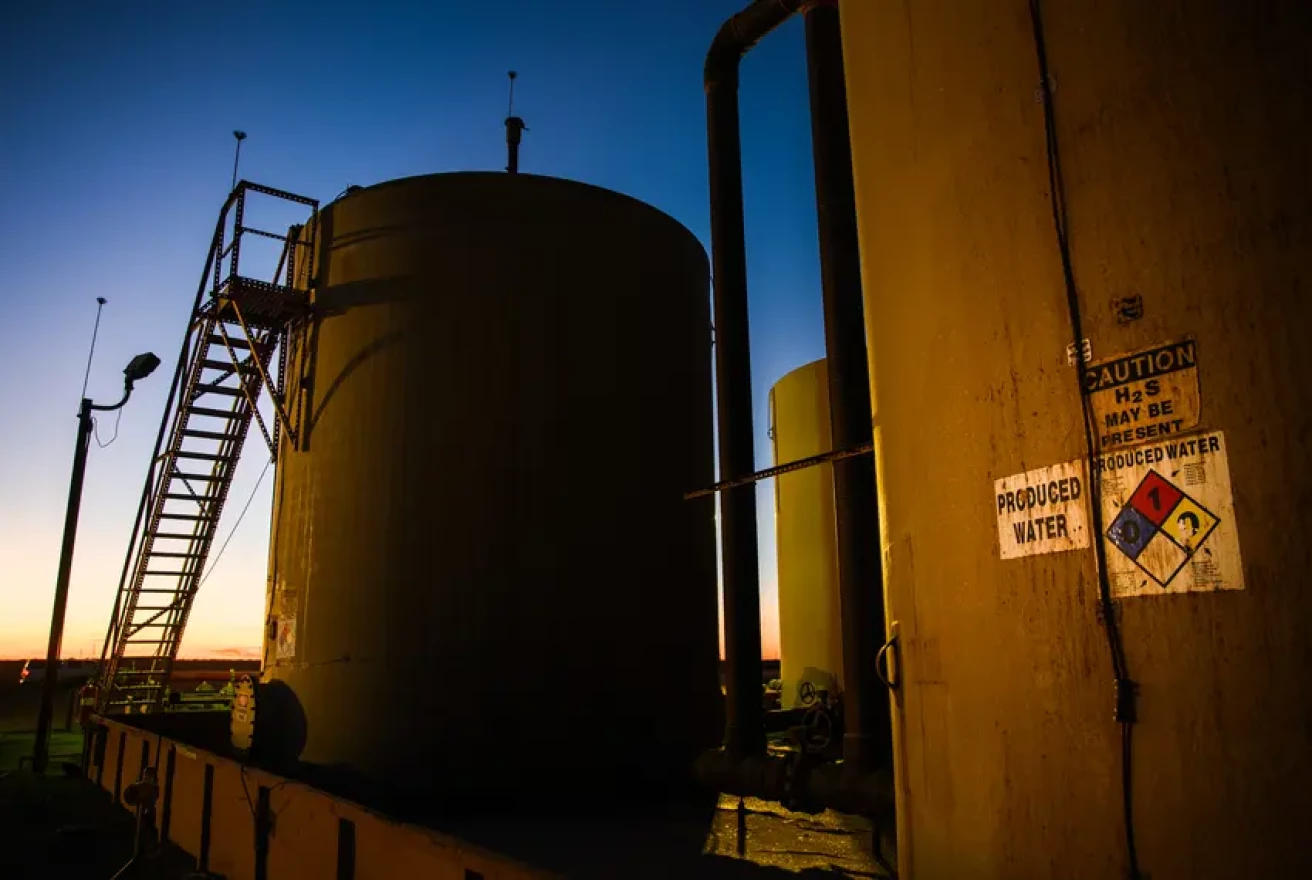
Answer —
787 467
799 782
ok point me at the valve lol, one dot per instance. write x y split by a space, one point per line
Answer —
144 792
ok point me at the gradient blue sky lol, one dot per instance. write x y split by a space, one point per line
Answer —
117 153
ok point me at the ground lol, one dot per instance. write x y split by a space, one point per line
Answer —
60 826
747 839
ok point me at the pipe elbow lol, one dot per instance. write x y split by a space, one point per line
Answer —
727 49
739 34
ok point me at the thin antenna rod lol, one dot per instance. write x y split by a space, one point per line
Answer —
514 129
95 331
240 136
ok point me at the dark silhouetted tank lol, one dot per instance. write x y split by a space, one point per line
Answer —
484 582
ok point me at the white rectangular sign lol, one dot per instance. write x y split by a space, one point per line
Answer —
1042 511
286 649
1169 518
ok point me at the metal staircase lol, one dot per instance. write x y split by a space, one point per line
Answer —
235 347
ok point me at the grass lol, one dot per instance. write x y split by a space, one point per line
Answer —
60 825
55 826
16 746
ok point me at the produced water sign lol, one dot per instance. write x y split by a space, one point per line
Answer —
1170 518
1042 511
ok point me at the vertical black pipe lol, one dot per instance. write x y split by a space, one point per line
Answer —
744 728
865 704
514 132
41 751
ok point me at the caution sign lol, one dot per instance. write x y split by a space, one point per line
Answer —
1042 511
1144 395
1170 518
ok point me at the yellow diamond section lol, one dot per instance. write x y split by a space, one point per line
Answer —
1189 525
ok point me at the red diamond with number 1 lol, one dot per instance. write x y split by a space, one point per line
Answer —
1155 498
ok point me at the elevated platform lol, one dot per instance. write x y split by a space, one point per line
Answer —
263 306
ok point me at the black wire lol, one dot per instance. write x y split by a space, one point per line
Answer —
246 791
1132 854
1115 646
877 850
95 424
215 562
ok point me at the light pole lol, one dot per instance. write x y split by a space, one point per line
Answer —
138 368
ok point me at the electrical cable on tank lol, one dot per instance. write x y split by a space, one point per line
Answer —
1123 687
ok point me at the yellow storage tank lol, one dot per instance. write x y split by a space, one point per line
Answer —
810 619
1182 132
485 584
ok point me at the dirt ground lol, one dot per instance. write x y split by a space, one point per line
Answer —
61 826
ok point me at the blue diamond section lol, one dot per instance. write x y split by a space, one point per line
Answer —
1131 531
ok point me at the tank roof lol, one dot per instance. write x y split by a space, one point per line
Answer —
500 178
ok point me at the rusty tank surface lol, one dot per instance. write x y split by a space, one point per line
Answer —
1171 141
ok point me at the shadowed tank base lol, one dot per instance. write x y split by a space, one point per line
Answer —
760 841
634 834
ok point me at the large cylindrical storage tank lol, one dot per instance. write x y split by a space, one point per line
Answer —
806 538
485 582
1182 132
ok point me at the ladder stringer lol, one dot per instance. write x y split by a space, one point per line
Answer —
226 360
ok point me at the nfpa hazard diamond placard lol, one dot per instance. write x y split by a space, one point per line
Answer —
1169 519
